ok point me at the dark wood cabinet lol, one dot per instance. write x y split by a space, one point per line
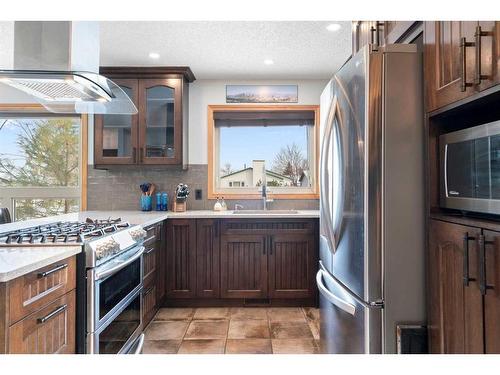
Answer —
244 266
455 301
207 258
157 134
181 258
274 259
491 247
38 311
153 271
454 70
219 261
292 265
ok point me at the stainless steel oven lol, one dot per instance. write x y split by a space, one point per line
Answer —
470 169
114 308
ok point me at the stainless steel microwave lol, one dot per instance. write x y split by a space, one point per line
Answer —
470 169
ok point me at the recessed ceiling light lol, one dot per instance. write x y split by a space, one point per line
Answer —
268 62
333 27
154 55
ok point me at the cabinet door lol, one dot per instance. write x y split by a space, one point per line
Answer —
489 62
455 307
443 63
292 263
161 264
160 121
181 258
492 297
208 258
49 330
243 266
149 303
115 138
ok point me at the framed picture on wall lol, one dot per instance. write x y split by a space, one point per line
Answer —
262 94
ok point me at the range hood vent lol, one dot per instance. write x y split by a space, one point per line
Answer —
56 65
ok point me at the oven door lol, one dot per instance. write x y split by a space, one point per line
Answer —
121 334
111 286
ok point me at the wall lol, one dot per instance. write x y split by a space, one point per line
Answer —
118 187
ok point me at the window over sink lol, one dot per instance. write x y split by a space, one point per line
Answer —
250 146
40 164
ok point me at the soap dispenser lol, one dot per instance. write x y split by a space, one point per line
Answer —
217 205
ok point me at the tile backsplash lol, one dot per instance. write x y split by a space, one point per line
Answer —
118 188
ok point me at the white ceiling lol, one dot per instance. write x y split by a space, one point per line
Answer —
230 50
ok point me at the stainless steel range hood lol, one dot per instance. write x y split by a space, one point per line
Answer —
56 64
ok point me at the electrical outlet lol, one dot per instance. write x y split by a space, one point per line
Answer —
198 194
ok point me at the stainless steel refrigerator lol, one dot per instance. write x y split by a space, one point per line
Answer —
371 269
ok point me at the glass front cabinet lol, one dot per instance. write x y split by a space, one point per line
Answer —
157 134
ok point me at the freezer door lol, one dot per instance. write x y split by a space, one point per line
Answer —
348 325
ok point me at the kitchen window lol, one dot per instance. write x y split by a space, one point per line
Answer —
250 146
41 170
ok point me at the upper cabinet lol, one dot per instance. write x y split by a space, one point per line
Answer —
461 58
157 134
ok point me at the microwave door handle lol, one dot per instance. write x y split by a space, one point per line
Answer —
106 273
446 169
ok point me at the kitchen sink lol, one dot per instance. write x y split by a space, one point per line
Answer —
265 212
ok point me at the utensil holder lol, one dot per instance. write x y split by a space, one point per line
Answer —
179 206
146 203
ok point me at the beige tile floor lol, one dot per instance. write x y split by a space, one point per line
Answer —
234 330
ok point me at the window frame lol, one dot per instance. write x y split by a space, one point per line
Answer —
10 194
214 192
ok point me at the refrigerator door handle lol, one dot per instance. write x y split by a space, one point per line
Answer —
332 298
329 227
379 304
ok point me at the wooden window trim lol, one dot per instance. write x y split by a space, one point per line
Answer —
212 191
84 136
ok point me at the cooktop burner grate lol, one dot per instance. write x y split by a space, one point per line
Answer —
63 232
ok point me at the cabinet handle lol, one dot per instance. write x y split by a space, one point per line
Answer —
466 277
52 314
141 155
147 291
463 63
477 36
265 243
372 35
483 287
134 156
41 275
150 250
270 245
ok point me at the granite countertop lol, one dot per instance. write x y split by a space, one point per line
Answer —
18 261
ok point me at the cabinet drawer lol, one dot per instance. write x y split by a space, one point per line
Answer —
149 303
151 235
39 288
47 331
150 260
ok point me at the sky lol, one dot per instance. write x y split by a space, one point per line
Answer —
242 144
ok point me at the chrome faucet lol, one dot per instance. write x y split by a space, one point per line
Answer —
238 207
265 200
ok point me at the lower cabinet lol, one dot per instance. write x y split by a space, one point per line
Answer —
37 311
241 259
181 258
153 291
464 287
50 330
292 266
244 266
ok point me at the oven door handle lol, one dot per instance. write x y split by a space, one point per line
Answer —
106 273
